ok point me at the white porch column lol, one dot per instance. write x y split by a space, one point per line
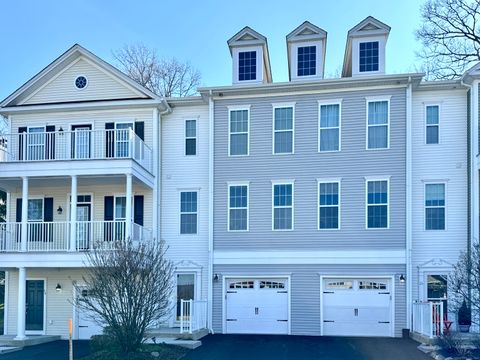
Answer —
73 215
22 284
24 237
128 210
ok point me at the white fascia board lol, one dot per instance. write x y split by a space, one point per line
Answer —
355 257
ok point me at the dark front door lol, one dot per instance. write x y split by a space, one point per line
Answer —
34 303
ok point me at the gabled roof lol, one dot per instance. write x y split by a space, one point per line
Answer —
471 74
306 32
367 27
64 60
249 37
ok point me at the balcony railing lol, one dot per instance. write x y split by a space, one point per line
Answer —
193 315
55 236
75 145
428 318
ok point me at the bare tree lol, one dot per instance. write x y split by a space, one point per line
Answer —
165 77
128 290
465 282
450 36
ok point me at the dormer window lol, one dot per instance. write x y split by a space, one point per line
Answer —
307 60
247 65
368 56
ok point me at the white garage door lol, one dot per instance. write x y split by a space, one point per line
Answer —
86 326
357 307
256 306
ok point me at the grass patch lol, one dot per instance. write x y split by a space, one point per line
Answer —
146 352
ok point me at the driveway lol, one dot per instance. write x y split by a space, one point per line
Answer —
266 347
56 350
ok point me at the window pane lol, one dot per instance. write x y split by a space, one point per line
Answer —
238 219
369 56
435 195
190 128
432 134
282 218
329 115
188 224
329 217
284 118
239 144
282 195
435 218
188 201
377 216
329 139
190 146
306 60
328 194
377 192
377 112
377 137
436 286
283 142
35 210
238 196
432 115
239 121
247 65
120 208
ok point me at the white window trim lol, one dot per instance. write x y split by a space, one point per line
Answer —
367 180
432 182
37 197
180 191
283 182
339 127
75 82
236 65
238 108
337 181
27 138
425 105
283 106
229 185
318 60
190 137
370 99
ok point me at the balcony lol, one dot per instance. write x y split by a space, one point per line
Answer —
77 145
56 236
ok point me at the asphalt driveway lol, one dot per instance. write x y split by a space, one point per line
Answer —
56 350
266 347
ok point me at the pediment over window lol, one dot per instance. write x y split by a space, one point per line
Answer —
307 31
438 263
369 26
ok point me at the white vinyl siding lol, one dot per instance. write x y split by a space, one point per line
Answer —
238 207
283 129
432 124
282 199
378 124
239 124
329 127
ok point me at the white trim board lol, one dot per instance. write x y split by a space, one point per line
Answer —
354 257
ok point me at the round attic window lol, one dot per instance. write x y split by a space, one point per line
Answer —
81 82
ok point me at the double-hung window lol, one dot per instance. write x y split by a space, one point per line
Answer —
239 124
123 139
306 60
238 207
377 203
432 124
188 212
190 137
369 56
434 206
282 206
329 127
377 124
283 129
247 65
36 143
329 205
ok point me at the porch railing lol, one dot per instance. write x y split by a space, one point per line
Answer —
55 236
75 145
428 318
193 315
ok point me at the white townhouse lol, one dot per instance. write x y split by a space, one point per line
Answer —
309 207
83 166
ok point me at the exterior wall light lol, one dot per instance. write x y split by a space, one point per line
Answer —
215 277
58 288
59 210
402 279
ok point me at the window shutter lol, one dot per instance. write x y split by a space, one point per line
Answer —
108 208
21 130
19 210
50 143
139 129
48 209
138 209
109 140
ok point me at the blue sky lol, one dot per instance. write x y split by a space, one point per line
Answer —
34 32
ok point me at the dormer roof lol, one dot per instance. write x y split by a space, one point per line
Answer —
249 37
365 28
306 32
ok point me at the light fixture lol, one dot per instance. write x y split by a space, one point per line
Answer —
215 277
58 288
402 278
60 131
59 210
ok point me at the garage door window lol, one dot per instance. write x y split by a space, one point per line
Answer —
241 285
372 285
272 285
339 285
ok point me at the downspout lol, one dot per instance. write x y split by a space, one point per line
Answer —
409 202
210 209
158 165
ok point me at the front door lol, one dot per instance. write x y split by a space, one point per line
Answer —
185 290
81 139
437 290
83 226
34 305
